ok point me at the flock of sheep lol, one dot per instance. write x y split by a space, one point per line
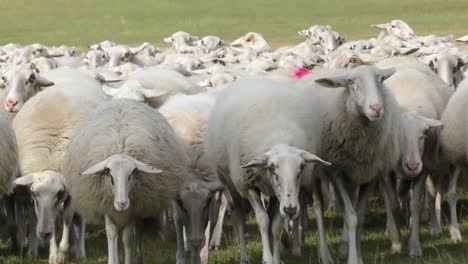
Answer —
120 135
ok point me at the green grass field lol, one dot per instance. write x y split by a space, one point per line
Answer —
82 22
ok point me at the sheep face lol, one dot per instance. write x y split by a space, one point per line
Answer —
328 41
284 168
48 191
252 40
193 203
415 130
448 66
364 89
121 54
133 90
397 28
21 84
119 169
96 58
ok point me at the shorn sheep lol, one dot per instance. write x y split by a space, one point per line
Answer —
360 120
124 163
43 128
188 115
260 138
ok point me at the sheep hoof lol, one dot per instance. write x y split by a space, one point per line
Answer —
343 250
455 235
415 252
59 259
296 251
435 232
396 248
245 261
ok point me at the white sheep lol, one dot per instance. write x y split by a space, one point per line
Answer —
43 129
188 115
453 144
263 153
252 40
9 164
124 163
397 28
360 121
448 66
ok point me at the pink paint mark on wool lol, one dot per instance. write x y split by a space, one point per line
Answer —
299 73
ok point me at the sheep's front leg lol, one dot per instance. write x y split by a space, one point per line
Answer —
277 229
64 242
325 255
218 230
238 220
434 200
139 242
205 251
386 189
350 220
81 250
417 196
298 227
180 253
128 239
455 234
33 246
14 223
112 233
361 208
263 223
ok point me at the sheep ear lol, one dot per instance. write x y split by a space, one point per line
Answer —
432 122
168 40
43 82
309 157
259 161
407 51
386 73
25 180
304 33
152 93
95 168
146 168
380 26
332 81
102 79
215 186
110 91
139 49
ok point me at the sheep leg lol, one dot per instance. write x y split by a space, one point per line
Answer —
112 235
325 255
81 250
180 254
128 241
64 242
350 219
455 234
53 250
298 227
14 223
277 231
361 208
238 220
205 251
139 242
263 223
218 230
434 196
417 197
33 240
386 189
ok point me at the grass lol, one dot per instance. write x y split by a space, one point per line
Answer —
376 247
79 23
82 22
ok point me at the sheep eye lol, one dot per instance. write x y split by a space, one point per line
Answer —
32 78
352 60
349 81
393 26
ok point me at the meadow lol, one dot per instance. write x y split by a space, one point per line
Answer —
84 22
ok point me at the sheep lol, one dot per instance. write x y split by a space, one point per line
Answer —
153 85
120 54
21 84
462 39
96 58
9 164
453 145
448 66
419 93
397 28
324 36
252 40
360 123
188 115
124 163
263 154
182 42
43 129
211 43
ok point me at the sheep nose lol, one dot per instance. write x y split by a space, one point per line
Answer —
45 235
122 205
290 211
376 108
12 103
331 50
196 243
412 166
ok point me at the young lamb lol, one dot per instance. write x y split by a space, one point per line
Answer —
360 121
43 129
263 154
124 163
